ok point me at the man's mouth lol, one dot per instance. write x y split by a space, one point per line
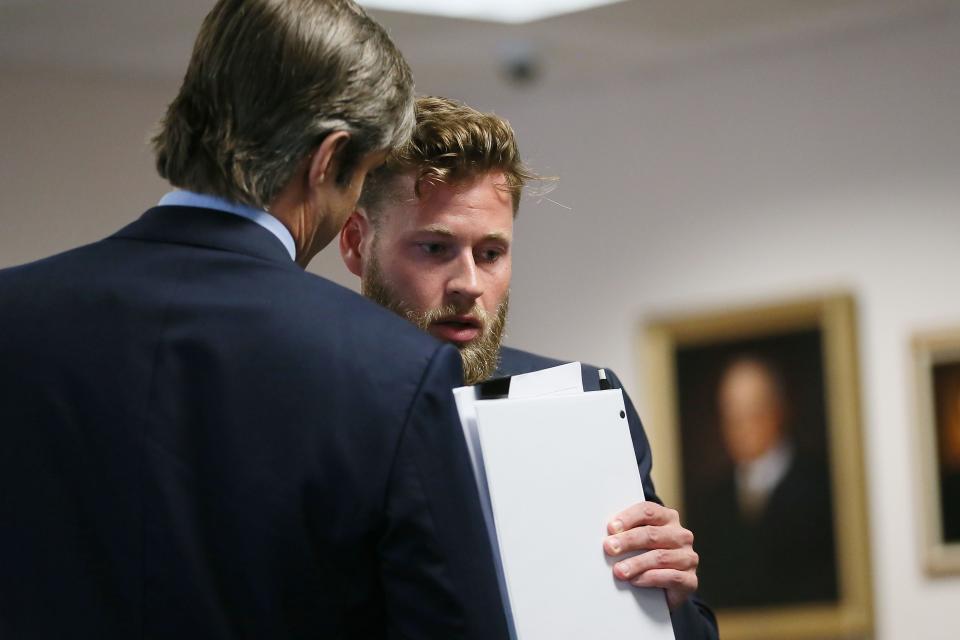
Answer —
457 329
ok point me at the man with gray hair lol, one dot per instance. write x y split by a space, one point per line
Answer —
202 439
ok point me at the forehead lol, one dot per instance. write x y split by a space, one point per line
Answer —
478 204
747 380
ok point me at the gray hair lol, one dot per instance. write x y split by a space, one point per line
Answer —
267 82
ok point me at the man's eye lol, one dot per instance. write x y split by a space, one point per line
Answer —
432 248
491 255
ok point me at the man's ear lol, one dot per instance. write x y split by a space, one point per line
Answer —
327 159
352 245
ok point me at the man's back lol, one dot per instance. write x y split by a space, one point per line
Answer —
203 440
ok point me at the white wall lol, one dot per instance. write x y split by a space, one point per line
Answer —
762 177
754 175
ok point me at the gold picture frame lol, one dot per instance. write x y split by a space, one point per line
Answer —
937 372
815 341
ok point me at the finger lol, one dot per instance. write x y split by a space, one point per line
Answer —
652 561
672 580
640 514
648 537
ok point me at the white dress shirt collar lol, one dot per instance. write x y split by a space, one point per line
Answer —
204 201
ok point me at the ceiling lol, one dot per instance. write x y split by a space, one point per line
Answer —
135 38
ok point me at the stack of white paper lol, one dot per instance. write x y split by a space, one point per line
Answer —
552 468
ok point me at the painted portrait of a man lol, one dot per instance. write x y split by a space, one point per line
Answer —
756 472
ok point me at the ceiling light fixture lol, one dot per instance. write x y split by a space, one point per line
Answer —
510 11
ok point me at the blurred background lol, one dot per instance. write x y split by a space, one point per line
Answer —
710 154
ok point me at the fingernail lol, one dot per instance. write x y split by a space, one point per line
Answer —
617 526
614 545
624 568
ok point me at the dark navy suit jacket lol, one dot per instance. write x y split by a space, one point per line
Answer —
202 440
694 620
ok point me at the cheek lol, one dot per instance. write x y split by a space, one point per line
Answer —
420 287
497 288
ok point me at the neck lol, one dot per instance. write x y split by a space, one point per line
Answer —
292 209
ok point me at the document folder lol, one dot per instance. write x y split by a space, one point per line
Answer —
555 470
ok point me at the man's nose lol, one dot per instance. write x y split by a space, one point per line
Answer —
465 283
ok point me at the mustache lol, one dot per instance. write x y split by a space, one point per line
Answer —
425 318
479 357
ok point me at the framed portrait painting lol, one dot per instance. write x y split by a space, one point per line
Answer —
755 428
937 361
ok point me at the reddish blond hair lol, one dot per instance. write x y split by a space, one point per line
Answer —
451 143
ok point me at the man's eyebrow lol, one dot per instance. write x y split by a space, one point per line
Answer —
437 229
443 230
497 235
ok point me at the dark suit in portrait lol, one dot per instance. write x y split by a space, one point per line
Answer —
950 506
203 440
741 554
693 620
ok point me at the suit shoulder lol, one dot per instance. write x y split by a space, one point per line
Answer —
360 326
14 272
361 309
516 361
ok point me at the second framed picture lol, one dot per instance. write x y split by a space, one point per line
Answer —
937 362
755 428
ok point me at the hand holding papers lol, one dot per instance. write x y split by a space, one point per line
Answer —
554 467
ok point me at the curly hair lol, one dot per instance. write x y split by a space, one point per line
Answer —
451 143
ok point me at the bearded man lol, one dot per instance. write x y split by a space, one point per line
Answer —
431 240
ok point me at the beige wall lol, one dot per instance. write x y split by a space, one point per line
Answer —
754 178
705 183
74 164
